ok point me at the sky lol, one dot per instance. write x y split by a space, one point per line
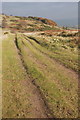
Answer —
40 0
63 13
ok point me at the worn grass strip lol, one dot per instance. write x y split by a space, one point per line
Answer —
15 98
33 72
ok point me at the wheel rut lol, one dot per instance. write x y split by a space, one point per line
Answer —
49 56
40 107
69 71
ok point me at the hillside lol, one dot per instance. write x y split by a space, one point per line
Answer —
40 68
22 24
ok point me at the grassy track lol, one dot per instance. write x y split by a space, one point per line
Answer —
21 98
12 76
38 70
67 57
58 84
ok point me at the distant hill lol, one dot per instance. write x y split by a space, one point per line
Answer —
23 24
44 20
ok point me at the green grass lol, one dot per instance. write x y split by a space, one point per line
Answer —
56 84
59 51
15 97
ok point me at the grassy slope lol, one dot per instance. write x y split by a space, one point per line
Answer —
21 98
43 57
57 84
13 76
21 24
68 57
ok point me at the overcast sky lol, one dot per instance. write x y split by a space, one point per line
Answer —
64 13
40 0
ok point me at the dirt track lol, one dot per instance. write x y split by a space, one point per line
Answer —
38 105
